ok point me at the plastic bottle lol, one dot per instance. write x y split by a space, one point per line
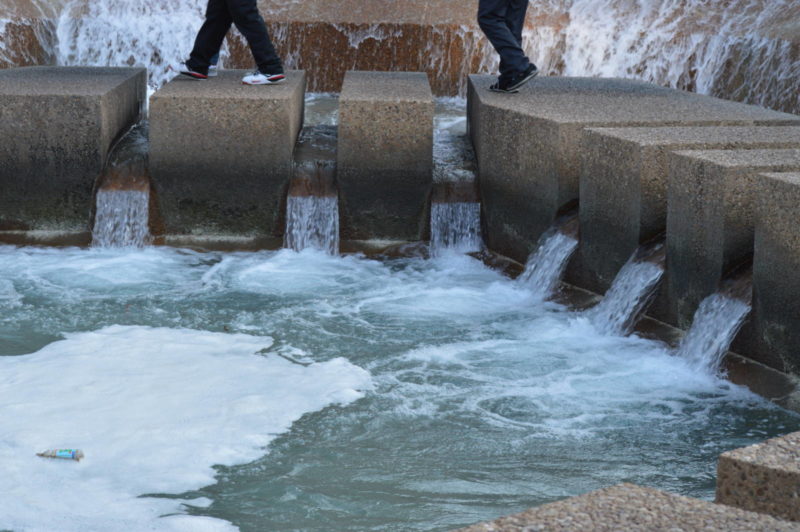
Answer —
64 454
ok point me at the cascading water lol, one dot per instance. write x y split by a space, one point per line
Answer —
546 265
630 293
122 206
716 322
455 211
312 222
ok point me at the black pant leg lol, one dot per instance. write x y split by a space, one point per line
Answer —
249 22
212 33
493 16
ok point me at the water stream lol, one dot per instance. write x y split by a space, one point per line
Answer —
545 266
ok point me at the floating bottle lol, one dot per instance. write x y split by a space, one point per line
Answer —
64 454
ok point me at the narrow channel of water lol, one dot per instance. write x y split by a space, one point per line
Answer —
545 266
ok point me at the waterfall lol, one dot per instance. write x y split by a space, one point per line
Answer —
312 222
716 322
122 206
455 226
630 293
312 205
122 219
739 49
546 265
455 209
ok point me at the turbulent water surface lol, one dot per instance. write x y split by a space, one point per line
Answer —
329 393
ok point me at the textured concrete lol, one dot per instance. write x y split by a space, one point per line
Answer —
623 188
763 478
710 221
528 144
385 154
56 126
776 273
221 152
632 508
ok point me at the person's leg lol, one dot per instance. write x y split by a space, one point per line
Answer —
492 16
209 38
249 22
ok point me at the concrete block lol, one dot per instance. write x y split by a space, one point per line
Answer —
776 274
528 144
623 187
763 478
221 152
710 221
632 508
56 127
385 154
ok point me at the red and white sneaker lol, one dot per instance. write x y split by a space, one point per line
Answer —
186 70
258 78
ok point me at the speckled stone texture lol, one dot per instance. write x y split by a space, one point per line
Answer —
56 127
763 478
710 222
385 155
627 507
623 188
221 152
776 279
529 144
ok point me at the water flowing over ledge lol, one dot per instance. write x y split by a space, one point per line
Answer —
743 50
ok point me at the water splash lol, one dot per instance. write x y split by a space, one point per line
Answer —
630 293
716 322
455 226
546 265
312 222
122 219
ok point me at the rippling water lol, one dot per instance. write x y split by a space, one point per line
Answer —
433 393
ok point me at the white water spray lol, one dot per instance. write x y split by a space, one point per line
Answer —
545 266
628 296
716 322
122 219
312 222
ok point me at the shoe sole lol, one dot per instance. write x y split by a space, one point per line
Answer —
523 81
501 91
268 82
194 75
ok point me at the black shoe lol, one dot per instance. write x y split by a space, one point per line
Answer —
501 87
518 80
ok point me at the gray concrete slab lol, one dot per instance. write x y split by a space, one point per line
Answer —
56 127
221 152
776 275
710 221
763 478
528 144
385 155
633 508
623 187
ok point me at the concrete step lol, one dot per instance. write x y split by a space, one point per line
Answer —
56 127
221 152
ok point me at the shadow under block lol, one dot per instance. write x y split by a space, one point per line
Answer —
631 508
56 127
763 478
711 221
623 188
528 144
385 155
776 277
221 152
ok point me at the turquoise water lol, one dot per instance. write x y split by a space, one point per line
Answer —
481 400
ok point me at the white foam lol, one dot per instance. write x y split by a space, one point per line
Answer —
153 409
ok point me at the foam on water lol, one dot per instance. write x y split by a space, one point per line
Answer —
153 409
484 399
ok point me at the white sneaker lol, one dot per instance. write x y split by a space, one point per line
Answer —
213 71
257 78
182 68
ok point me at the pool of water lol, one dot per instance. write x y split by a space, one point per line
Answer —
298 391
